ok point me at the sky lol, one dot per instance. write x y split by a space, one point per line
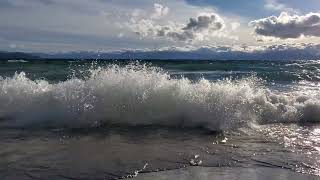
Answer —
114 25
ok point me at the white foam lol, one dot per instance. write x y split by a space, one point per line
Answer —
140 95
17 61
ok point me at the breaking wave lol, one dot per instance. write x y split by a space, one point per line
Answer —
143 95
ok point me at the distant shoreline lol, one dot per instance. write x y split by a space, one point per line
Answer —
160 56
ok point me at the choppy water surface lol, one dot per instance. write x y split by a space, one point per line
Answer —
159 119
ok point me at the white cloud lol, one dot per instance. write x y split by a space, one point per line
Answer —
235 26
288 26
204 22
120 35
274 5
159 11
136 12
110 24
201 28
205 25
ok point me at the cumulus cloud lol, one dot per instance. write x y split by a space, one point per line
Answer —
205 21
288 26
196 29
199 28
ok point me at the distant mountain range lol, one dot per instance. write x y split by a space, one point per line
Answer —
275 52
16 55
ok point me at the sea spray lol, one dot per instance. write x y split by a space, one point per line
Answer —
138 94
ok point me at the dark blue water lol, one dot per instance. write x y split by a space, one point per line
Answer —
273 71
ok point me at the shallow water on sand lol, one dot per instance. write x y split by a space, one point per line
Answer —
156 153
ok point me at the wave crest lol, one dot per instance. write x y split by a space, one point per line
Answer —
143 95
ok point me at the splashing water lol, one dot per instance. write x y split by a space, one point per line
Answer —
144 95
